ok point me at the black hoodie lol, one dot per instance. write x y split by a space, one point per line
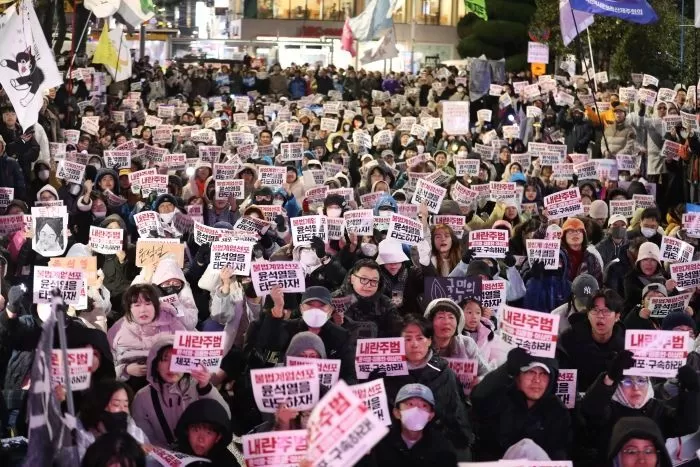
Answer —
640 428
207 411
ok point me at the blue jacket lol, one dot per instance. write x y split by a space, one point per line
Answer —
297 88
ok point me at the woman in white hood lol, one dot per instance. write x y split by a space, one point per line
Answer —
169 278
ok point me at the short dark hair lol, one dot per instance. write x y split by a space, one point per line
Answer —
613 300
148 291
97 398
366 263
651 213
425 326
111 448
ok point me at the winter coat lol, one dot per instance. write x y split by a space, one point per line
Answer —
600 413
275 334
278 84
577 134
577 349
619 139
493 349
207 411
589 265
637 427
502 416
451 417
186 308
297 88
172 398
431 450
11 176
609 250
634 283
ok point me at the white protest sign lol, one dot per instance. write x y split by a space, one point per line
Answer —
466 166
118 159
566 388
546 251
691 224
671 150
297 387
531 330
291 152
489 243
79 364
686 274
236 256
455 117
229 189
305 228
659 307
502 191
106 241
674 250
649 80
405 230
623 207
643 201
328 369
204 234
493 294
386 354
272 175
171 458
657 353
225 171
70 282
288 275
373 394
586 170
71 172
430 194
537 52
275 448
359 221
565 203
147 222
194 349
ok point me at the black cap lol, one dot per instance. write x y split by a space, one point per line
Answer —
318 293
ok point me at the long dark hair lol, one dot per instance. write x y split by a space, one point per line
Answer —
97 399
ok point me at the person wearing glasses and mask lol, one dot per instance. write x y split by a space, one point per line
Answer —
593 339
637 441
614 395
367 304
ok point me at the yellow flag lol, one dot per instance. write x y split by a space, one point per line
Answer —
105 51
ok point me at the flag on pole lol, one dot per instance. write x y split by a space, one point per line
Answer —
567 16
347 40
478 7
697 13
385 50
634 11
376 18
27 65
112 52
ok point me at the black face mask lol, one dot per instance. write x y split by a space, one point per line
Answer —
170 290
115 422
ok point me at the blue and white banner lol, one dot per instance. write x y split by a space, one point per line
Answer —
635 11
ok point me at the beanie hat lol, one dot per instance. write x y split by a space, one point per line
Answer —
654 287
573 223
304 341
444 304
478 268
48 188
526 449
649 250
598 209
677 318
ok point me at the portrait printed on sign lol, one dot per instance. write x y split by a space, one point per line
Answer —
49 236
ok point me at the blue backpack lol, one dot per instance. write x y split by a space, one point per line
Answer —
546 293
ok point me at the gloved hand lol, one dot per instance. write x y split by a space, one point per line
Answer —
203 255
279 220
468 256
517 358
537 269
376 374
688 378
14 298
319 247
623 360
509 260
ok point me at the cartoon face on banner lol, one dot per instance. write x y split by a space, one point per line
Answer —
29 76
103 8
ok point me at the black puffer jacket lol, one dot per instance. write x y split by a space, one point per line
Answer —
502 416
451 417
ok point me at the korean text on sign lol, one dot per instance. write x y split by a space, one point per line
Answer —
430 194
287 274
193 350
70 282
405 230
657 353
566 387
674 250
387 354
489 243
79 363
533 331
296 387
659 307
686 274
562 204
328 369
236 256
493 294
275 448
465 369
373 394
546 251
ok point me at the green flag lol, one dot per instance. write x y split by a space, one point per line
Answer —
478 7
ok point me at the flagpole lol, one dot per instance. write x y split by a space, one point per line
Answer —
59 308
590 51
72 60
119 51
588 75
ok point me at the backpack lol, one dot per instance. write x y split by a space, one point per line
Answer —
546 293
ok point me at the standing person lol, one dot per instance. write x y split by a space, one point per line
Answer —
517 401
11 173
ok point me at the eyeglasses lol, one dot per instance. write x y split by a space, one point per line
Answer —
634 452
602 311
636 382
366 281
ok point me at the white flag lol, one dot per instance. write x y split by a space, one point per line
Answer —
697 13
385 50
27 64
119 44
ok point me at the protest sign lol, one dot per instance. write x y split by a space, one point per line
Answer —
586 170
106 241
671 150
84 263
147 222
117 159
661 306
297 387
288 275
359 221
456 223
193 350
341 429
691 224
373 395
50 228
368 200
235 256
286 448
607 169
171 458
316 194
464 195
657 353
305 228
493 294
405 230
623 207
79 364
430 194
226 171
272 175
489 243
71 283
466 166
531 330
502 192
465 369
291 152
149 251
455 117
328 369
204 234
643 201
7 194
70 172
387 354
566 203
157 184
686 274
566 387
563 171
454 288
225 190
675 250
628 162
546 251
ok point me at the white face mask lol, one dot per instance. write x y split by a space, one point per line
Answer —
276 140
648 232
44 175
167 217
74 189
414 419
308 258
315 317
277 202
99 214
334 212
462 153
369 249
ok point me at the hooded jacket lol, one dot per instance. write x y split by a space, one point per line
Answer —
101 173
172 398
653 127
502 416
207 411
117 275
641 428
493 349
187 309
